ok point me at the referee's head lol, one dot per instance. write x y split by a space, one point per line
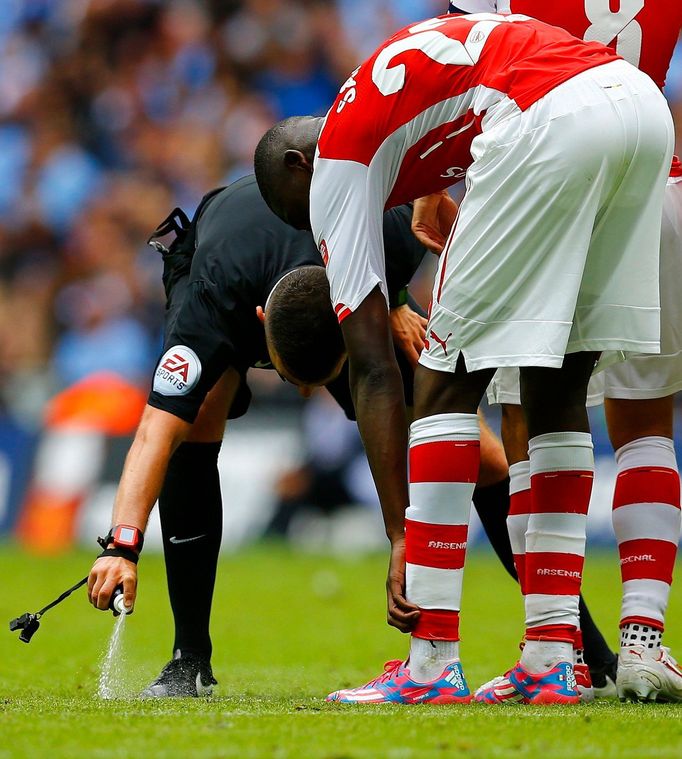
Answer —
302 332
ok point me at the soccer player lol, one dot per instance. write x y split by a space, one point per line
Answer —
638 393
552 261
245 258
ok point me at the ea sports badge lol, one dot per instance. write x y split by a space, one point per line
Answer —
177 372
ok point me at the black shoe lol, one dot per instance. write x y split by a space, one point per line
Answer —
187 676
604 679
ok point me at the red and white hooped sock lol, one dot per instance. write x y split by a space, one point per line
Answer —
561 471
444 463
646 520
517 524
519 512
578 648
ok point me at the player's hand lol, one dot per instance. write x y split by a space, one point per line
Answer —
409 331
432 220
401 613
106 575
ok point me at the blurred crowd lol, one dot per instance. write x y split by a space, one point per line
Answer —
112 112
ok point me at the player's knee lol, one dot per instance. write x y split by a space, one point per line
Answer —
514 433
437 392
628 420
494 466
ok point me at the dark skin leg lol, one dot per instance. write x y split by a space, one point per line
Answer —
553 400
447 393
629 420
514 433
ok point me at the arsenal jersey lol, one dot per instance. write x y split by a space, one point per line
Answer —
403 124
644 32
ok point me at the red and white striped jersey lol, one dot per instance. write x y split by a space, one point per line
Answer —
403 123
644 32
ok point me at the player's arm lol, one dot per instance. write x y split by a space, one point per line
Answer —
377 391
346 220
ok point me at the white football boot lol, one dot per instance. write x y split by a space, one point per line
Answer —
646 675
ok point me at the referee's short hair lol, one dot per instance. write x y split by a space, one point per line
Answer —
302 328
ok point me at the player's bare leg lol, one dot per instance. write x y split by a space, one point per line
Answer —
646 520
190 508
494 467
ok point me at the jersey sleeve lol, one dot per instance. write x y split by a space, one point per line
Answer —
346 222
197 350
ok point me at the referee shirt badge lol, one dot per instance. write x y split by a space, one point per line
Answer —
177 372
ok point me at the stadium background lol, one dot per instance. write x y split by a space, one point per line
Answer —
112 112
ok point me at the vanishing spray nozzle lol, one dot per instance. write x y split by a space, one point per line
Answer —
117 603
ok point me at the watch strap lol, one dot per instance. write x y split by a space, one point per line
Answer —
122 553
110 538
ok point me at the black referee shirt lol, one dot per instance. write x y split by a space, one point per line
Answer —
241 251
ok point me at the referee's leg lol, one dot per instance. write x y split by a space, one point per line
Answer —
190 508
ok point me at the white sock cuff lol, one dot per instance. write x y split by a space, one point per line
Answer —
443 427
561 451
445 503
519 477
647 451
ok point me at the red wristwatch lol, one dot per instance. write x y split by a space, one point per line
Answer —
126 536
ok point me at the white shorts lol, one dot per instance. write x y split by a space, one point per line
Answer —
555 248
640 377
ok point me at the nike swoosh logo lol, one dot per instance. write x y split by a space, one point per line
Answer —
185 540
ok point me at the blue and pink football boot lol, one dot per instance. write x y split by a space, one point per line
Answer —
518 686
395 686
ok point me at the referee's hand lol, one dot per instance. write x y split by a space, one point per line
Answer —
408 329
106 575
432 220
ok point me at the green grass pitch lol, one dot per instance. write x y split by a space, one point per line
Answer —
288 628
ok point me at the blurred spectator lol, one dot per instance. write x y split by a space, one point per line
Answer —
334 474
114 111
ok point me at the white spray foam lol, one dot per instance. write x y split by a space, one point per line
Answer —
111 679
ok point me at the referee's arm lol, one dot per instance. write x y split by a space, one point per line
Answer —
156 439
